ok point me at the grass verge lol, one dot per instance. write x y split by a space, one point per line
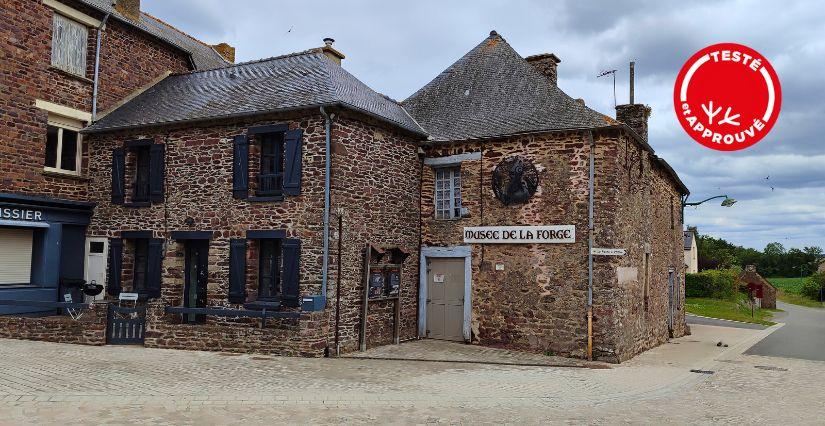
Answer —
736 310
789 291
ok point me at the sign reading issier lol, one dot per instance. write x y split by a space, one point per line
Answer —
21 214
551 234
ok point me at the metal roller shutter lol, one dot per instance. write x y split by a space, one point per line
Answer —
15 256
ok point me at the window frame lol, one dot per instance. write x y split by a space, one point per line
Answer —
61 125
139 152
276 272
84 49
452 189
276 140
143 289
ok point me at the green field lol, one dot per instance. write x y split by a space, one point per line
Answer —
789 292
737 310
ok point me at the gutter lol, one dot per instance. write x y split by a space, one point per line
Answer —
590 230
327 188
100 30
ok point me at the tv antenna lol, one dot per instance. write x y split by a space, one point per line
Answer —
608 72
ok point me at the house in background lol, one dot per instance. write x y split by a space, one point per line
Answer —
691 252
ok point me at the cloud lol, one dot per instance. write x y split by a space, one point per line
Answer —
397 47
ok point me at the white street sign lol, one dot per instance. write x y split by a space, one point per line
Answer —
607 251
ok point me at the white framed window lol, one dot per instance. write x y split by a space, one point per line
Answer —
448 192
15 256
69 45
64 146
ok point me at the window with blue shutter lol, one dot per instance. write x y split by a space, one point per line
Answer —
118 175
237 270
240 167
292 161
154 267
290 275
157 172
113 285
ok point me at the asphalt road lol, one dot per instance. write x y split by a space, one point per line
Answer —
803 335
692 319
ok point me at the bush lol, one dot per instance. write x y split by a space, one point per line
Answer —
716 284
813 285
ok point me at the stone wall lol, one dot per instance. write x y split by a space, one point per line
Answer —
538 302
374 190
750 275
130 59
90 329
648 219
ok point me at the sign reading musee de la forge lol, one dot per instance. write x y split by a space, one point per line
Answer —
551 234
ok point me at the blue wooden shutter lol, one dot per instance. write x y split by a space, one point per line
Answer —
292 162
157 171
154 267
240 167
113 285
118 175
237 270
290 275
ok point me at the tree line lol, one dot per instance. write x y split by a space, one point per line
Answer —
774 261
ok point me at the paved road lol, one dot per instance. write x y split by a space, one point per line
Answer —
692 319
803 335
47 383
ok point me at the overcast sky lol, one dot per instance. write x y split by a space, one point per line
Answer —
397 47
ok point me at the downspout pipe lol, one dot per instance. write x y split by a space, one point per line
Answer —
327 189
590 231
100 30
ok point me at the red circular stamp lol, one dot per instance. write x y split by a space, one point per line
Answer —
727 96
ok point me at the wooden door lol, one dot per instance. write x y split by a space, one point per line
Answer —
445 299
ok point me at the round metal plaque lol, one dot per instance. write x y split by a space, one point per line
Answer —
515 180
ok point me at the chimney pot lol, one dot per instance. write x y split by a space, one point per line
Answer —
547 64
493 33
332 53
129 8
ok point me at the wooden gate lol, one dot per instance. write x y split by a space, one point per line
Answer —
126 326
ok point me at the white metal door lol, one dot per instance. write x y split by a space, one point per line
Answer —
96 258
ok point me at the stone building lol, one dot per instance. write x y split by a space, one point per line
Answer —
55 79
282 206
761 289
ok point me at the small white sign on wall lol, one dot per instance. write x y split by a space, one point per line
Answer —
596 251
548 234
438 278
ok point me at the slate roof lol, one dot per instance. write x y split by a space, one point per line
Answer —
299 80
492 91
688 240
203 55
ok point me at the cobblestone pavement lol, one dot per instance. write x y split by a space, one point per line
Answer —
46 383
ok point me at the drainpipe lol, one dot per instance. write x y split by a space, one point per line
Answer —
100 30
590 228
327 158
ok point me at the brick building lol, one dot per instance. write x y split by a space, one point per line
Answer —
55 79
282 206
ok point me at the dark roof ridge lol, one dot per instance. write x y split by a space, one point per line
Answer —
250 62
178 30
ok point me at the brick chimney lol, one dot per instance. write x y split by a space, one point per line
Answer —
633 114
331 52
129 8
547 64
227 51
